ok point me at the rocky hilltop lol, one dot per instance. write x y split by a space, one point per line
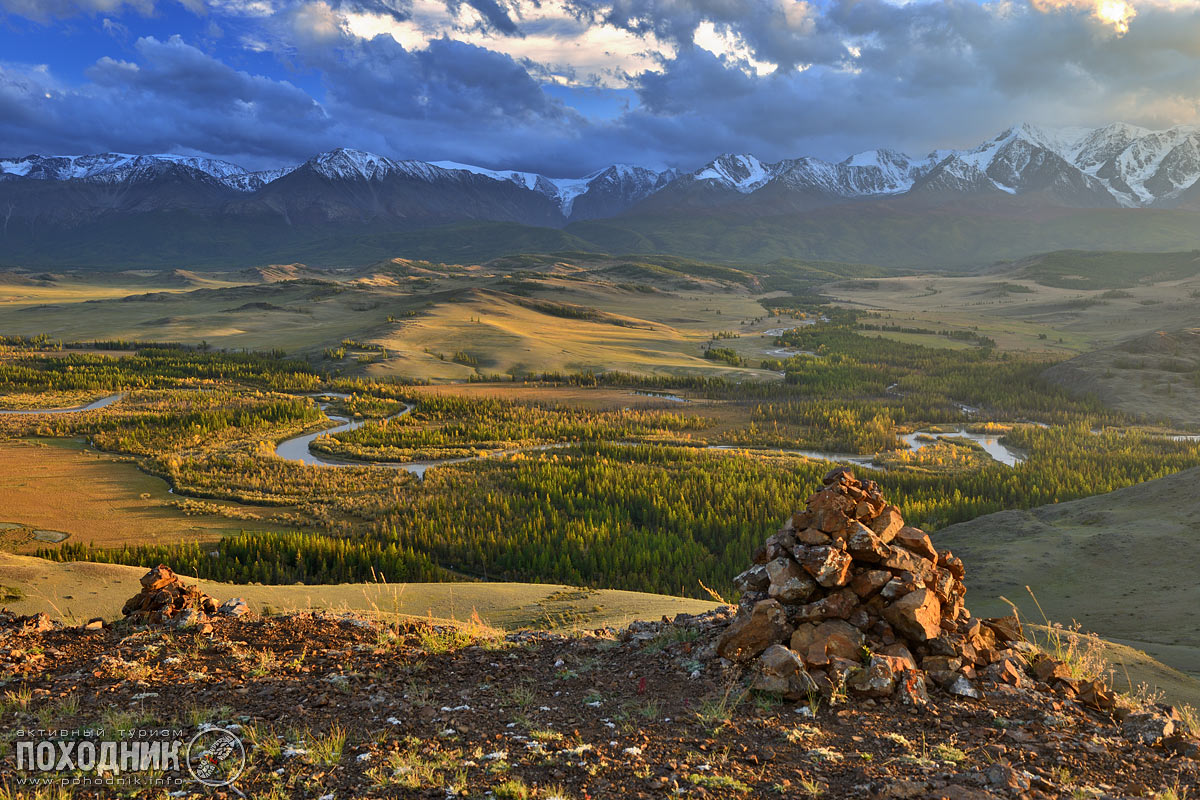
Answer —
852 668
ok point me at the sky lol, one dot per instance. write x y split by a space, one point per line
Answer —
564 87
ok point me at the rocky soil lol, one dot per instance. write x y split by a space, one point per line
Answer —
339 707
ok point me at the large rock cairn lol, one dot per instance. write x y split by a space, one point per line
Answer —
846 598
166 600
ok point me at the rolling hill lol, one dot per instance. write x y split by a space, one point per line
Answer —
1120 564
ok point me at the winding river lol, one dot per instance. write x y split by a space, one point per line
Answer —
297 448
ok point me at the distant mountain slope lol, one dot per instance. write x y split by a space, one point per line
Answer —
1118 563
1152 376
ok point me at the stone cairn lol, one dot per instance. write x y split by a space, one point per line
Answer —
166 600
846 598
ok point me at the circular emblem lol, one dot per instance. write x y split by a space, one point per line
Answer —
216 757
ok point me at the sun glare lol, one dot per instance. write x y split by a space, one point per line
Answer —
1117 13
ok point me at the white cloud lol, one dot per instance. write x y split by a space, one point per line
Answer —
729 46
563 49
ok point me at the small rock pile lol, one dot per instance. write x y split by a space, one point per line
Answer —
166 600
847 598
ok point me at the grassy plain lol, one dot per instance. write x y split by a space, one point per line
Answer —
1157 374
1021 314
82 590
63 486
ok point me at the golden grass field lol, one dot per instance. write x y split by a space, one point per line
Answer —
82 590
62 486
421 318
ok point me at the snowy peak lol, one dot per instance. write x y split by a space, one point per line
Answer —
957 174
1102 144
122 168
743 173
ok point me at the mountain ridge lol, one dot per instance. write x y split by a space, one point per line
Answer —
1117 164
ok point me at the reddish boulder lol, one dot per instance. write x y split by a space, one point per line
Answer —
829 565
751 633
839 605
917 615
788 583
888 523
918 541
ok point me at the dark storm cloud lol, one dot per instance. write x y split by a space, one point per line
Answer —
399 10
495 17
849 75
174 97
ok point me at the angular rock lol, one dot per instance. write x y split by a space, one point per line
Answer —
917 541
876 679
1005 777
896 588
829 565
1048 670
1147 727
979 636
754 579
866 584
943 586
813 536
961 687
1095 694
157 578
888 523
911 688
954 564
234 607
1008 671
838 605
901 560
751 633
1006 629
916 616
864 545
838 475
836 638
788 582
900 652
781 672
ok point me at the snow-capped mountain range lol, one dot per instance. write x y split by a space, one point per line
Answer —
1114 166
1119 163
630 183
